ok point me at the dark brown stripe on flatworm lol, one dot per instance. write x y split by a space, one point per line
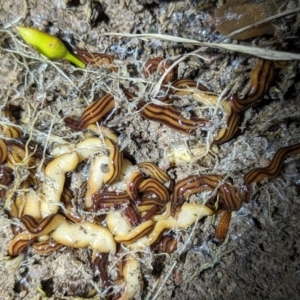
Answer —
170 117
188 83
223 225
101 264
93 113
159 65
229 198
44 226
115 162
104 200
155 172
260 81
132 215
66 198
231 128
46 247
132 186
167 244
94 59
275 166
150 213
152 186
20 243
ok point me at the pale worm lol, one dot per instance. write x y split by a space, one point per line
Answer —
3 151
102 131
78 235
53 186
89 147
96 178
188 215
32 205
136 233
117 224
132 278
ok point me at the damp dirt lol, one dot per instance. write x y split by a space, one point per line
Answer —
260 258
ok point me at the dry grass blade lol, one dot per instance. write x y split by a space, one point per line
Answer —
255 51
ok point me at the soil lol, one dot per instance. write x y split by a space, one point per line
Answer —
260 258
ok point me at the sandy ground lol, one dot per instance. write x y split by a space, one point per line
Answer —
260 258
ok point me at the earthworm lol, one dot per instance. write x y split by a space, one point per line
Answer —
94 112
275 166
222 227
158 64
260 81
